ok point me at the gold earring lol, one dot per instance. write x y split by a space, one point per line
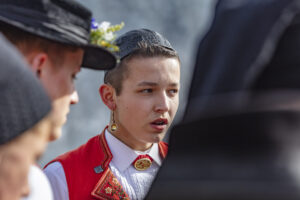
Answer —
113 126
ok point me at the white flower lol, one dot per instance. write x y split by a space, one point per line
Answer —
104 26
104 34
108 36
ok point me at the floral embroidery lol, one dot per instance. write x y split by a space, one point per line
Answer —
115 181
108 190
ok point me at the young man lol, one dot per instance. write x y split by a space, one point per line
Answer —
142 94
53 36
25 125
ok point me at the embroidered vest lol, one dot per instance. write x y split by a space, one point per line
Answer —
87 171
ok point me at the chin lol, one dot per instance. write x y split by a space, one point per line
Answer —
157 138
55 134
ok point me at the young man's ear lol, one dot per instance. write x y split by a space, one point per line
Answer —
37 61
107 95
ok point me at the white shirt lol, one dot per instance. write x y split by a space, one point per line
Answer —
135 183
39 185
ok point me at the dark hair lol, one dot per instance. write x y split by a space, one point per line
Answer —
27 42
116 76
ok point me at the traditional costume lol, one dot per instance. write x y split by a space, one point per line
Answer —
103 169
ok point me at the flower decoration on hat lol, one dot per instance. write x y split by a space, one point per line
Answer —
104 34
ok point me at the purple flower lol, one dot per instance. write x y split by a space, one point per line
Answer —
94 24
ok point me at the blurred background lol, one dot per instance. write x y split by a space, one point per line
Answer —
182 22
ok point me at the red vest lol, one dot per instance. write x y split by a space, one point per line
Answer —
87 171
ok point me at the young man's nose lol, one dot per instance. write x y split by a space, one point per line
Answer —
162 104
74 97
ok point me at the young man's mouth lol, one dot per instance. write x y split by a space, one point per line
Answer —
160 124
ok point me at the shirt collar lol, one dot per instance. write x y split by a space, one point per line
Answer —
123 156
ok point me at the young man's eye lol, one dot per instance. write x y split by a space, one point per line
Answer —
173 91
147 91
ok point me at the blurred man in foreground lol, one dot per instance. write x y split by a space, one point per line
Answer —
239 138
25 122
54 38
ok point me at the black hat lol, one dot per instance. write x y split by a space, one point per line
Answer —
250 47
23 101
282 72
130 41
63 21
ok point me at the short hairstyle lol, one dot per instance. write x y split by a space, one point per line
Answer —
27 42
116 76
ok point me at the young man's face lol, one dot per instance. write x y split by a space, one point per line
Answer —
18 155
148 101
59 83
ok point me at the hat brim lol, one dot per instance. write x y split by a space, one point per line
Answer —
96 57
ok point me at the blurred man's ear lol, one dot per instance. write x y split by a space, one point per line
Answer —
37 62
107 95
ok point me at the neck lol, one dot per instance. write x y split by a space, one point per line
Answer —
131 144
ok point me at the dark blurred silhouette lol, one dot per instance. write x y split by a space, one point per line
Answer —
240 136
25 122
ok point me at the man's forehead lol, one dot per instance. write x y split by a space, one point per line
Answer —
75 57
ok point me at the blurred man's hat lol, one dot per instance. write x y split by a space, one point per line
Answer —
129 42
63 21
23 100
